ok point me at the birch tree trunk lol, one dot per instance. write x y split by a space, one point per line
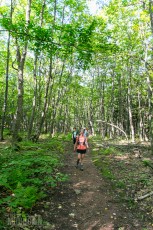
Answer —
21 56
129 107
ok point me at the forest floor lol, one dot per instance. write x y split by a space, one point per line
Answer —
103 196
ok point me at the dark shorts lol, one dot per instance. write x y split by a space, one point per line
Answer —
74 140
81 151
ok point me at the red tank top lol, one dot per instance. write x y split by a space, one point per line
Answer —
81 143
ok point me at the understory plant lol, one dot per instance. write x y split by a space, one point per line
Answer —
25 175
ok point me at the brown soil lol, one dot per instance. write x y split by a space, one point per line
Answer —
88 201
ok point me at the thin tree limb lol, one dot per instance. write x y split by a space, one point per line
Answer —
14 66
114 126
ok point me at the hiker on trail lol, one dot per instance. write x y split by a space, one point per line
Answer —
86 133
81 148
74 135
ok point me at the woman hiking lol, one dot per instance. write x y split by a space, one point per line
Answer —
80 147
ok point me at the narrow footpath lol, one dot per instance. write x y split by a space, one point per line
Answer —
91 207
87 202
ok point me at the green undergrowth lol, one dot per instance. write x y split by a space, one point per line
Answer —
129 176
26 174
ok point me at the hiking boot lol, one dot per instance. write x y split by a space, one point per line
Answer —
81 167
78 166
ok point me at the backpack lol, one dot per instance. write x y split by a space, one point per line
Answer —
86 134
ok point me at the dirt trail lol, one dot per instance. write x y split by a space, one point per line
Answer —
93 202
87 202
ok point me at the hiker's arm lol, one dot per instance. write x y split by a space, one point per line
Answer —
86 143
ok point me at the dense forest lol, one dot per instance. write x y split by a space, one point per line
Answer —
61 67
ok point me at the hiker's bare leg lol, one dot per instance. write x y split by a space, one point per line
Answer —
81 161
79 158
82 157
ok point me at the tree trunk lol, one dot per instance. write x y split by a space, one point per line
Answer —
45 107
112 107
150 90
120 103
21 61
6 90
140 119
34 99
150 95
35 79
129 107
6 82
